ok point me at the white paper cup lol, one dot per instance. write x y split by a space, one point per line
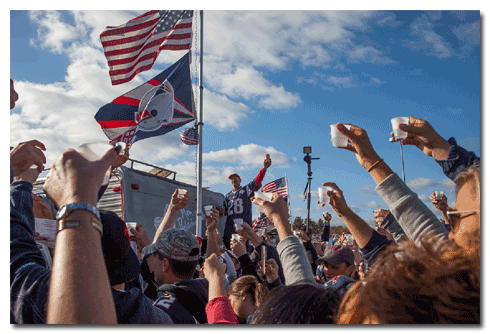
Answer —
95 151
350 239
263 196
238 223
296 234
338 139
130 225
322 194
439 195
207 210
397 133
181 193
236 237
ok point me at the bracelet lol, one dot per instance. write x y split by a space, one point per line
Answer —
373 165
74 223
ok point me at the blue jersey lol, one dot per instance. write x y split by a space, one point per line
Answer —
238 205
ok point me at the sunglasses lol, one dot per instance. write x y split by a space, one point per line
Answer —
454 218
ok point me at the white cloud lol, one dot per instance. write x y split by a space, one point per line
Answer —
372 205
368 54
346 82
249 155
426 39
368 189
420 183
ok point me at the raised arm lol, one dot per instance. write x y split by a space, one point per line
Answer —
211 224
297 269
80 292
176 204
409 211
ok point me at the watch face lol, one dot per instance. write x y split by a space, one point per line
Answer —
61 212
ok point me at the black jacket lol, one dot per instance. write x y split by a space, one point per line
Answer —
184 301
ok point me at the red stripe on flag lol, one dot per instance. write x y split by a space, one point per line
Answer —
115 124
127 100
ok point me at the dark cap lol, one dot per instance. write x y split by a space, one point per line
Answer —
121 261
233 175
175 244
337 255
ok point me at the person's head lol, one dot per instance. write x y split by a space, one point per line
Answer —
13 95
246 294
120 260
464 225
177 254
337 261
235 181
298 304
429 284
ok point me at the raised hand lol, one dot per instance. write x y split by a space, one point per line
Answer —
440 204
337 200
212 220
380 215
327 217
360 145
27 154
73 178
422 135
177 202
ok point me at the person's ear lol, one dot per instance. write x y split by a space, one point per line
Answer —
165 265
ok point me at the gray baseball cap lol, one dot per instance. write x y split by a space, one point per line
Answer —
336 256
175 244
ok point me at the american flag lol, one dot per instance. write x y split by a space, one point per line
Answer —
278 186
189 136
134 46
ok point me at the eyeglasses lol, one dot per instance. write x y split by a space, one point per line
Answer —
454 218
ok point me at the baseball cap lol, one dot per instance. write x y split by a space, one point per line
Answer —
121 261
176 244
234 174
337 255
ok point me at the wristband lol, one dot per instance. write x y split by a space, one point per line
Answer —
373 165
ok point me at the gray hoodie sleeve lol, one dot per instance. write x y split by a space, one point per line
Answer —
415 218
297 269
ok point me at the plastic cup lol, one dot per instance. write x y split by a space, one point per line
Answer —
397 133
95 151
238 223
263 196
207 210
181 193
350 239
439 195
338 139
236 237
322 194
131 225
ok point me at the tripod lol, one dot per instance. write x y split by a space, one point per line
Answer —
308 159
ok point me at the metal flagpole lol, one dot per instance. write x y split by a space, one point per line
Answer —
199 130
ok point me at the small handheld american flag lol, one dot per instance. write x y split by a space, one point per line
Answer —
277 186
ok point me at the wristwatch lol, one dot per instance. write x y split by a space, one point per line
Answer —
68 208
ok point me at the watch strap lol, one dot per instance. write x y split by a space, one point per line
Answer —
68 208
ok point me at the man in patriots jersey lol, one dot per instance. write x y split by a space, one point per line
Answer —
237 202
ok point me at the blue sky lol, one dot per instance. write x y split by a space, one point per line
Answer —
274 82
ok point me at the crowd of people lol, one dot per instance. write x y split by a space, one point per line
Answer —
409 269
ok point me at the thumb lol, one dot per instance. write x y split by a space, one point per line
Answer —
109 157
343 130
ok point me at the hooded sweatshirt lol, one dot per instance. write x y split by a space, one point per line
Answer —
184 301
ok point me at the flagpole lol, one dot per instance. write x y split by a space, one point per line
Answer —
289 208
199 145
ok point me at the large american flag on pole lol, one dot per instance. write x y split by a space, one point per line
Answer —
134 46
278 186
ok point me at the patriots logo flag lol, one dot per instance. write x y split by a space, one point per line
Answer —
155 108
277 186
